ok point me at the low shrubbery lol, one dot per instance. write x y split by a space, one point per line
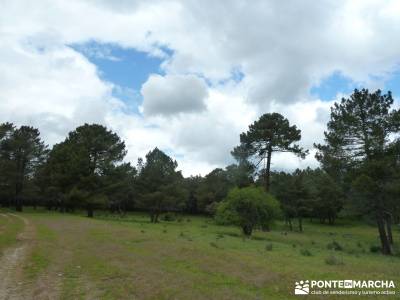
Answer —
247 208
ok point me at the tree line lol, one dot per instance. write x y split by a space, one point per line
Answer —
359 172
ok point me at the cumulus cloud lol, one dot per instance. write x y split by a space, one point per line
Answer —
280 48
173 94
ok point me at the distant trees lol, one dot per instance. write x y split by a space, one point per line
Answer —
307 193
248 208
359 141
271 133
159 184
21 153
213 188
81 169
360 172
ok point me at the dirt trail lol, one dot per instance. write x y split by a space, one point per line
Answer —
12 259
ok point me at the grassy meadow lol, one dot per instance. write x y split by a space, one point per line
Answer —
109 257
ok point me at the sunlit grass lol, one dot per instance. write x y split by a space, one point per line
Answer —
112 257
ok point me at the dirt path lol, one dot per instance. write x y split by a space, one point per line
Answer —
12 259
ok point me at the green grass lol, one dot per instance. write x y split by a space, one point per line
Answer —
9 229
112 258
41 254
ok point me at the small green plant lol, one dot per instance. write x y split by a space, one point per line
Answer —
212 244
334 246
305 252
168 217
268 247
294 245
333 260
219 236
375 249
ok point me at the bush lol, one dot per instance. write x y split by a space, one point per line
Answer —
212 244
332 260
247 208
268 247
334 246
305 252
168 217
375 249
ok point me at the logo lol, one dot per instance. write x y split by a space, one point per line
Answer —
345 287
302 288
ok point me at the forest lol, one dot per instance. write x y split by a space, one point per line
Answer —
358 176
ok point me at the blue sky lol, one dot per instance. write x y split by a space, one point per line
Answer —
123 66
129 69
338 83
221 73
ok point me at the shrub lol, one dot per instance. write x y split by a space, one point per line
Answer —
334 261
247 208
169 217
212 244
305 252
268 247
375 249
334 246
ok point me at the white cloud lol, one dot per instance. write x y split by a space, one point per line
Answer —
282 49
173 94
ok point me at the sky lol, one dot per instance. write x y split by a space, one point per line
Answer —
189 76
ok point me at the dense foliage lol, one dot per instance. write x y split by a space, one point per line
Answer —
359 173
248 208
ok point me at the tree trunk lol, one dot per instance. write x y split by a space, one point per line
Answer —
267 170
90 212
265 228
18 204
383 237
300 224
290 224
18 200
389 228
